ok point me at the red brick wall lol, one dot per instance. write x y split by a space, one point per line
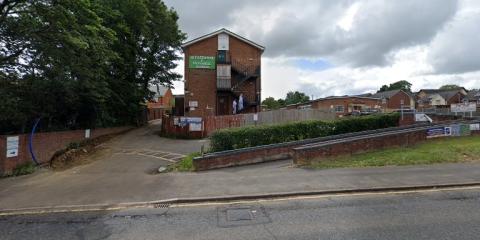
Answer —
201 84
45 145
345 102
248 55
395 101
455 99
304 155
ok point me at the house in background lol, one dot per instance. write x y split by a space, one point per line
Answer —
161 102
473 96
219 68
439 98
395 99
341 105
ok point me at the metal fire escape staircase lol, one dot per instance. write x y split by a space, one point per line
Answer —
244 72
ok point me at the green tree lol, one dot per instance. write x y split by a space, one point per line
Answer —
271 103
450 87
296 97
400 85
82 63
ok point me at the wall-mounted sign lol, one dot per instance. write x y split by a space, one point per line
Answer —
475 127
195 127
87 133
12 146
438 132
193 104
203 62
190 120
463 107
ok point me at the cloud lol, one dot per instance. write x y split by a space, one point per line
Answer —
455 49
365 43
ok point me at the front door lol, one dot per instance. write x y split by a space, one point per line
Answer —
223 105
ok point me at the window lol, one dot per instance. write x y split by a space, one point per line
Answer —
339 109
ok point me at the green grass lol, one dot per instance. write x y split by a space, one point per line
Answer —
445 150
186 164
23 169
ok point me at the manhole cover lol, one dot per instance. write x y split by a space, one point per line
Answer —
239 214
235 215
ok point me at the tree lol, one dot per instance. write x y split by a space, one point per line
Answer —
271 103
296 97
400 85
450 87
83 63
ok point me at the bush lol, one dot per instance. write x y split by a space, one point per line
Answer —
186 164
235 138
23 169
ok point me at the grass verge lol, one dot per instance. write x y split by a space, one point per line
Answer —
445 150
22 169
186 164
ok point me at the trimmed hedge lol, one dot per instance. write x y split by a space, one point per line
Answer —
235 138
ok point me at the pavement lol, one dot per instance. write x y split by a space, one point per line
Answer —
123 172
451 214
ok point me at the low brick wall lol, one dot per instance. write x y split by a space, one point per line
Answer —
268 152
243 157
305 154
45 145
309 149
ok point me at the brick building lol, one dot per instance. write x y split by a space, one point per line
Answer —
219 68
440 98
161 102
395 99
341 105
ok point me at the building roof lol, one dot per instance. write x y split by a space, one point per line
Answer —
385 94
389 94
159 90
473 95
333 97
223 30
448 94
432 91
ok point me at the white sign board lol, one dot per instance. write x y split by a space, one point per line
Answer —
193 104
87 133
463 107
422 117
475 127
194 127
255 117
12 146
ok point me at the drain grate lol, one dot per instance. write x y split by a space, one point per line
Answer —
161 205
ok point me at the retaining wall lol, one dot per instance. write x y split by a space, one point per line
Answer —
306 150
45 145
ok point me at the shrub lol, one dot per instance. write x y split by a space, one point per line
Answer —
235 138
23 169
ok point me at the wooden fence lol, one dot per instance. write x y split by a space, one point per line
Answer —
213 123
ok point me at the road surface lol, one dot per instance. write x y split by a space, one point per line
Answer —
452 214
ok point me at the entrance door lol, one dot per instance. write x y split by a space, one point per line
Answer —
223 105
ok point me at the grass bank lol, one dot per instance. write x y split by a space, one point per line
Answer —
445 150
184 165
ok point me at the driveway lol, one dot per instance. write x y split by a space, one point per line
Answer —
122 169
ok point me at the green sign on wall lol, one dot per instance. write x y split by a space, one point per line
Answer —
205 62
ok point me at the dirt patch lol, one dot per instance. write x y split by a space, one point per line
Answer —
80 153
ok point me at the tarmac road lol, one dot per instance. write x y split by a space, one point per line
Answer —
445 214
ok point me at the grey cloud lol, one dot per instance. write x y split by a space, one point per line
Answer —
308 29
455 50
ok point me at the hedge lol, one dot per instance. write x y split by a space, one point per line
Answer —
235 138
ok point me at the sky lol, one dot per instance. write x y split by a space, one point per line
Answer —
339 47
